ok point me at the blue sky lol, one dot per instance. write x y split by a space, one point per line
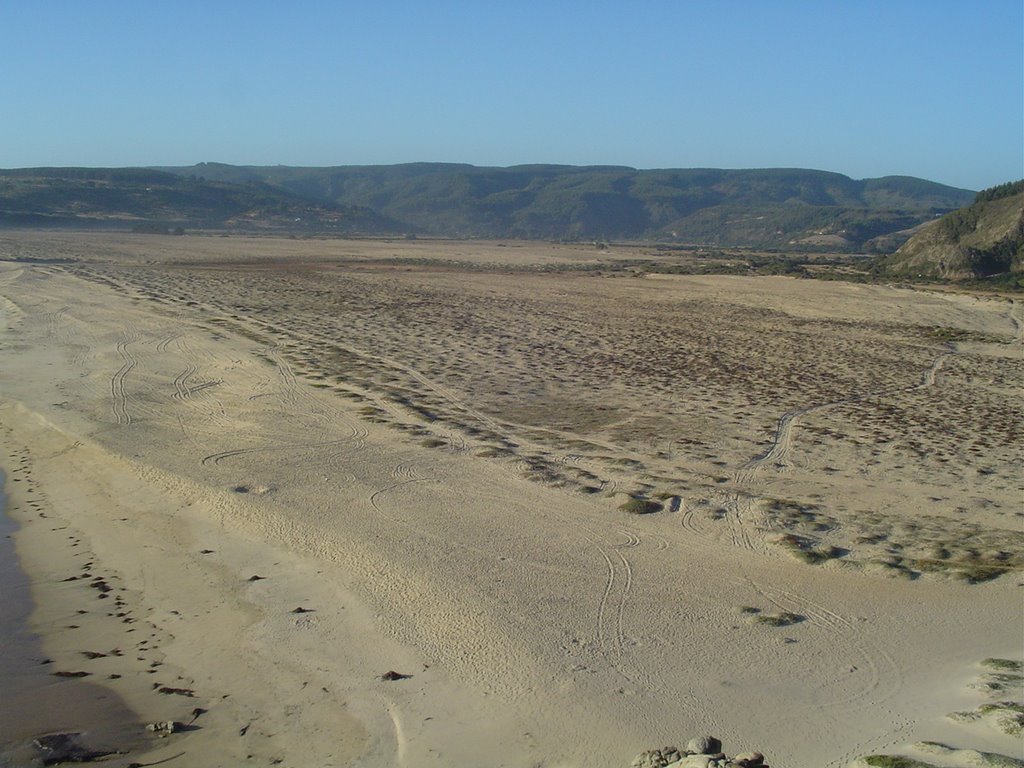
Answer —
915 87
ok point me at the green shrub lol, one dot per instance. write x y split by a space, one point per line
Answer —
895 761
1009 665
640 506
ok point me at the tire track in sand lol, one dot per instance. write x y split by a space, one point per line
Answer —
163 343
217 458
610 620
195 393
881 678
294 394
118 393
748 526
782 440
181 390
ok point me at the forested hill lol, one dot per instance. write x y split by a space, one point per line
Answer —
981 240
149 200
788 209
783 208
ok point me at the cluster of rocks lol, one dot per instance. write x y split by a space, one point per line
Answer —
701 752
165 729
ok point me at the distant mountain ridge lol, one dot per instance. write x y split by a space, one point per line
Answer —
781 208
150 200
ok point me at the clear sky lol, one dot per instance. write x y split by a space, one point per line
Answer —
925 88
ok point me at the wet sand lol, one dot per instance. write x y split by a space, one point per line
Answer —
35 702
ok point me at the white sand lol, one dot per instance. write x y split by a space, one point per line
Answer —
540 627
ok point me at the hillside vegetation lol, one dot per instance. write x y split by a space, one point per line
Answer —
981 240
769 208
150 200
788 209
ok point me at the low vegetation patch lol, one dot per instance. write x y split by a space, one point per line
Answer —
807 551
1004 665
493 453
640 506
784 619
894 761
1001 676
1004 716
949 334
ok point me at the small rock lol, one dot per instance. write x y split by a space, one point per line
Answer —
749 759
704 745
693 761
657 758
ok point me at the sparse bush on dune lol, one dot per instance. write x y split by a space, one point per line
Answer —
894 761
640 506
805 550
783 619
490 452
1008 665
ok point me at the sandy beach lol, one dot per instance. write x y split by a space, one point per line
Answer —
254 476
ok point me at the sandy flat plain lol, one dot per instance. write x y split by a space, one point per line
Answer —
421 450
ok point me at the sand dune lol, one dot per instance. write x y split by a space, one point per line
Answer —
423 458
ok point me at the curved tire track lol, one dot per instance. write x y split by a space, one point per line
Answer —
741 507
217 458
117 389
